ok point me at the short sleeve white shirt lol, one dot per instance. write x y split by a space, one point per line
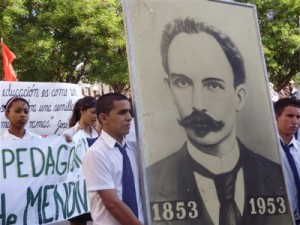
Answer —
28 135
289 178
102 167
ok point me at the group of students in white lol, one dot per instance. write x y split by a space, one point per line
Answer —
106 122
103 162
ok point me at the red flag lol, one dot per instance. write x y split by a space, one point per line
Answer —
8 57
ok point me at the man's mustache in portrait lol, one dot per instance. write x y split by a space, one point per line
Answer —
201 123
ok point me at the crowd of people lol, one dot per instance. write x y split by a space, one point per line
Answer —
111 162
105 123
289 91
111 166
103 163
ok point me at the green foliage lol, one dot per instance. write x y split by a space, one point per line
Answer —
69 41
279 26
66 41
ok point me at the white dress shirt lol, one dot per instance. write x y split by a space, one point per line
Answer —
103 168
28 135
288 173
73 130
206 186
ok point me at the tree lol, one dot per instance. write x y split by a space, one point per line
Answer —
66 41
279 27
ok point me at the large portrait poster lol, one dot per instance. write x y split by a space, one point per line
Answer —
204 116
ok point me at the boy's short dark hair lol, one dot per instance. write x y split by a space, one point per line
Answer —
105 103
280 105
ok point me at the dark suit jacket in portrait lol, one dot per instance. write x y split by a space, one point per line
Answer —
171 180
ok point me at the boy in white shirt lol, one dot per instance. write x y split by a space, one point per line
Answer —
103 166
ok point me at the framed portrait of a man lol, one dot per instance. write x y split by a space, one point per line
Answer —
204 115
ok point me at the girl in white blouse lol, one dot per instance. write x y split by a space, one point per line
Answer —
83 118
17 113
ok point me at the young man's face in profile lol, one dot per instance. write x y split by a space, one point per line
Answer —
117 122
289 120
201 78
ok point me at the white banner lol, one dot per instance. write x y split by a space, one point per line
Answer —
41 180
51 104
